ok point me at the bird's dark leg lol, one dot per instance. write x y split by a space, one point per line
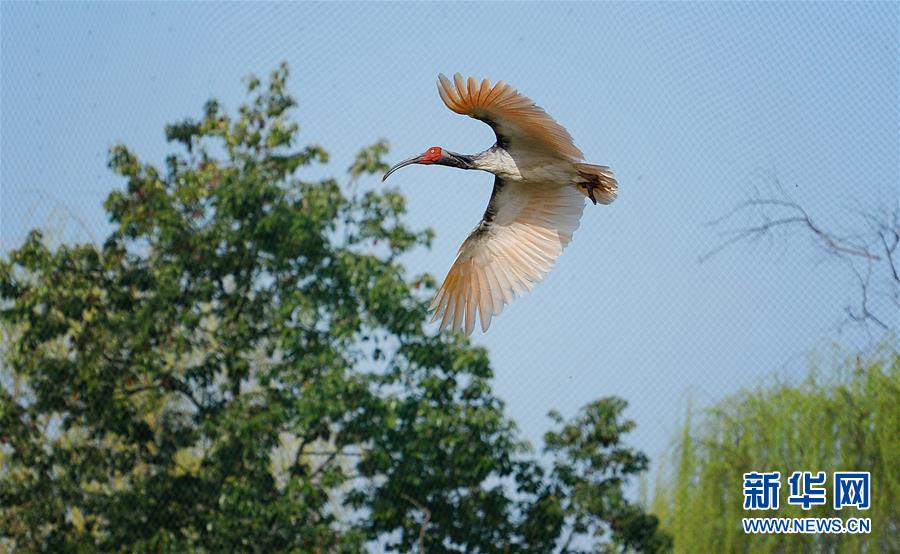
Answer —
589 188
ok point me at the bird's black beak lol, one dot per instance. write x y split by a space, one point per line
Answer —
408 161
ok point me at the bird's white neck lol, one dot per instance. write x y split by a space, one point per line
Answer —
497 160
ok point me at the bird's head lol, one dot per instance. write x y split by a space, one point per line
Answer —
434 155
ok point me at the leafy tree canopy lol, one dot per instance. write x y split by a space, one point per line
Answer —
242 365
843 419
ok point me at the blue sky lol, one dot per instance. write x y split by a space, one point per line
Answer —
688 103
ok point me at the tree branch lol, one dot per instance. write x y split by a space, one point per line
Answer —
829 241
424 527
877 246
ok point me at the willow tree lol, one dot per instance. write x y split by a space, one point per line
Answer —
242 365
839 419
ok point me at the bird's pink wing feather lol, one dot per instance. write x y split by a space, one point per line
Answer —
516 120
510 251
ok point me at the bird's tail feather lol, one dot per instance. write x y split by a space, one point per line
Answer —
597 183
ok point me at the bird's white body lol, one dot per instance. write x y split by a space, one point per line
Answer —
540 185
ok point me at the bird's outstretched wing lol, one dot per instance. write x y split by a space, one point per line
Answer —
518 123
523 231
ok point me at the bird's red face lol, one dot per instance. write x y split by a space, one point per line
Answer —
431 155
434 155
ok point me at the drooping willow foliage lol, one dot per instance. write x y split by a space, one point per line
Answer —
842 418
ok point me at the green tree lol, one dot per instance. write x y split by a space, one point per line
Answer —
242 366
845 419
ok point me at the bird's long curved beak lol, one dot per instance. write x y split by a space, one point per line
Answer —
408 161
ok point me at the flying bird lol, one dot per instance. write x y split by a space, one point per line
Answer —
540 184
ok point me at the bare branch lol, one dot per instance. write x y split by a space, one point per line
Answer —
864 313
830 241
889 251
427 513
877 245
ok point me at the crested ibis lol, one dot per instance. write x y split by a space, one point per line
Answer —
540 185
